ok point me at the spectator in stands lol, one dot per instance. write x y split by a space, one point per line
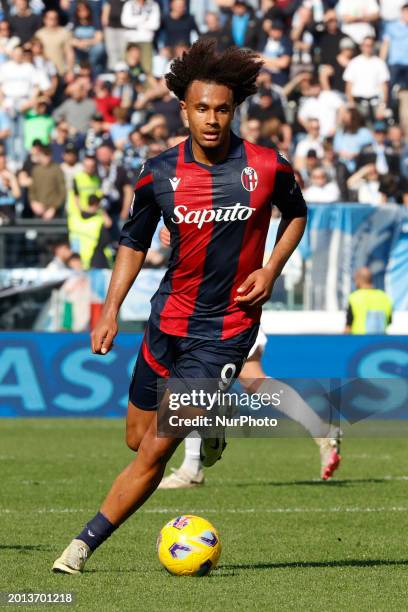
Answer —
87 38
395 49
311 163
70 165
38 124
135 69
241 27
7 41
327 42
59 140
57 42
77 109
312 141
47 191
62 252
86 183
36 48
269 102
178 26
390 10
302 38
105 102
251 130
159 101
75 263
97 135
366 184
349 140
141 20
20 84
89 234
116 184
358 18
369 310
321 190
380 153
214 30
114 33
24 23
322 104
32 159
329 160
277 51
134 154
120 130
332 75
367 78
123 87
9 192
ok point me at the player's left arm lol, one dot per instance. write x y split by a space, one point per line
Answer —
287 196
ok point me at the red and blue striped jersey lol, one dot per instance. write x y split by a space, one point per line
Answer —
218 217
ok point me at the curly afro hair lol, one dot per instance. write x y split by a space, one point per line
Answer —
235 68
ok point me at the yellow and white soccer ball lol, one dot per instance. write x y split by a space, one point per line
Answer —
189 545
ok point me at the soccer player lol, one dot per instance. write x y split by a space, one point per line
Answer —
215 192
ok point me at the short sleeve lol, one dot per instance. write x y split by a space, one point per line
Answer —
144 215
348 74
287 195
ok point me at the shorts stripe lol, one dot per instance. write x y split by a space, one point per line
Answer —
152 362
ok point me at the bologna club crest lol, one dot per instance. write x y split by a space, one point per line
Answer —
249 178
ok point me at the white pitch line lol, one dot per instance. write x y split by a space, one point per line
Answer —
219 511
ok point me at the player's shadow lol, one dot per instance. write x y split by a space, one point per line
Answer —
314 483
315 564
24 548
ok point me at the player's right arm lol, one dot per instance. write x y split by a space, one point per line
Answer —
135 240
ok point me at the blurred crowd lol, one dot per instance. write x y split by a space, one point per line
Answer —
84 101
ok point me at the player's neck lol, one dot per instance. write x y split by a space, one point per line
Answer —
210 157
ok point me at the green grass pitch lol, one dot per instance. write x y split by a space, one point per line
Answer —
290 542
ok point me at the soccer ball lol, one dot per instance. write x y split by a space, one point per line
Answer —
188 546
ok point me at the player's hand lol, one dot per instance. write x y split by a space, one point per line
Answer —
164 236
103 334
256 289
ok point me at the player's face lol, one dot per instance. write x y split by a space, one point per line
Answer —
209 110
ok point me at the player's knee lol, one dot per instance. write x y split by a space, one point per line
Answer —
133 439
155 451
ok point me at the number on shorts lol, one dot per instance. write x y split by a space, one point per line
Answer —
226 376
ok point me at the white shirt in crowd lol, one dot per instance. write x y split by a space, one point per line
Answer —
358 9
141 20
366 75
391 9
368 192
309 144
323 107
18 82
325 194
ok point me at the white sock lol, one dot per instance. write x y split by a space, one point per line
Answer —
295 407
192 463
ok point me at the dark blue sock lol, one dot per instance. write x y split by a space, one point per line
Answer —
96 531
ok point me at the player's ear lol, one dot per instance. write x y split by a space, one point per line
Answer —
183 109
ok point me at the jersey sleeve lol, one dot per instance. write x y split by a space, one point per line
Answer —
287 195
144 214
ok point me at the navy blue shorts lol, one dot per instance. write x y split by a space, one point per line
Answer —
163 356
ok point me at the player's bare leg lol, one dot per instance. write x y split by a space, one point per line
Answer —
134 485
137 423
